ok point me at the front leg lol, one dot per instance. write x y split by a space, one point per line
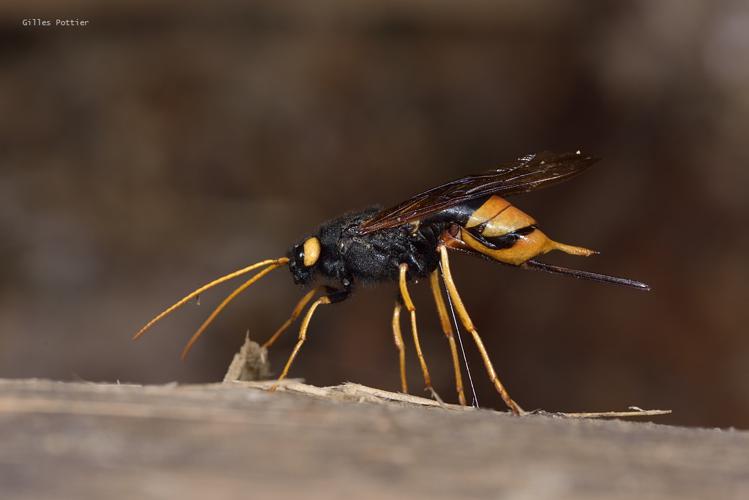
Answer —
302 338
332 296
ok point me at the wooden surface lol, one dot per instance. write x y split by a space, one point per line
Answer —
83 440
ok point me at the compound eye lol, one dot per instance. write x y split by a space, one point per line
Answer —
311 251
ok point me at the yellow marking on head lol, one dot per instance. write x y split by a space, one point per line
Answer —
508 220
311 251
491 207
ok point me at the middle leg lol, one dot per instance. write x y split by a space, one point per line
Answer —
414 331
398 337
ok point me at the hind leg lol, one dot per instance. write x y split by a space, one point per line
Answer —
468 324
447 329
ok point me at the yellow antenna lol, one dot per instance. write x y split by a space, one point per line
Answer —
233 295
270 262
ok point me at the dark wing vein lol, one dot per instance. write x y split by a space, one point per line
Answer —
519 176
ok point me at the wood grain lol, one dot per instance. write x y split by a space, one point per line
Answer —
85 440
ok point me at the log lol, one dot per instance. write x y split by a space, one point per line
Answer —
237 440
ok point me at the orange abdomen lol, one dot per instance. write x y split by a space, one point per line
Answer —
505 233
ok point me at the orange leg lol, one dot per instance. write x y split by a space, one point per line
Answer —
294 315
468 324
414 331
302 338
400 345
447 328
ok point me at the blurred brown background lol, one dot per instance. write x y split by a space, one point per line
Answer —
166 144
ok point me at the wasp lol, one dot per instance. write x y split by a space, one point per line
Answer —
412 241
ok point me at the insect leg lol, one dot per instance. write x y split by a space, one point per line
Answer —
398 337
468 324
302 337
414 331
448 331
294 315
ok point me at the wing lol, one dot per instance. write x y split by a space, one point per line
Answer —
519 176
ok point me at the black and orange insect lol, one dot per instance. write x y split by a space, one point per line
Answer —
411 241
